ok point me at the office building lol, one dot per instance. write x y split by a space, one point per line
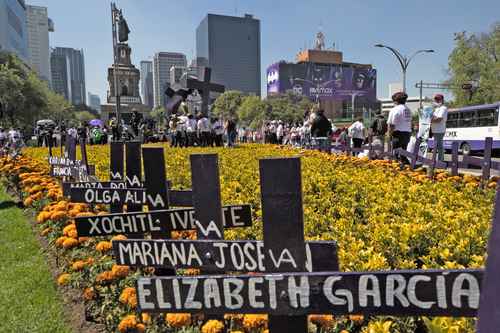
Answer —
162 63
13 34
147 83
68 74
94 102
39 26
230 46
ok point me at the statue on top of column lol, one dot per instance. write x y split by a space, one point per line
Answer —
123 29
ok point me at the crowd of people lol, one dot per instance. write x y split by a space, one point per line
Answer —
187 130
11 141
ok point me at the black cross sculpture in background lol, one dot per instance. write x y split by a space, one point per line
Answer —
204 88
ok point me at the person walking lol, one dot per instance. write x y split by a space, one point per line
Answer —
438 124
191 130
399 122
321 129
231 132
357 132
203 130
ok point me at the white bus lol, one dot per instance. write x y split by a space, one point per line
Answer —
470 126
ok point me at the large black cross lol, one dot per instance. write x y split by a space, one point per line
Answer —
204 88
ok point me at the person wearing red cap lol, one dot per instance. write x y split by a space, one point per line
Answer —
438 124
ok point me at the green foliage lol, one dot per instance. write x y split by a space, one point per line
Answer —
287 107
227 104
84 116
28 298
251 111
476 57
25 98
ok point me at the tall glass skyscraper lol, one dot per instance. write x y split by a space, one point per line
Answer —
231 47
147 83
68 74
13 30
162 63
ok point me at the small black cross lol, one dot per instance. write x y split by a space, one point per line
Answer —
204 88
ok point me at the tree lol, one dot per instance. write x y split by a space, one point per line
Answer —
84 116
288 107
476 58
11 91
227 104
252 112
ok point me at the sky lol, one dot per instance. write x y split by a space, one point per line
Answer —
287 26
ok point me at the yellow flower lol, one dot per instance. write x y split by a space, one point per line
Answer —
322 320
70 243
253 321
78 265
212 326
88 294
127 324
104 277
120 271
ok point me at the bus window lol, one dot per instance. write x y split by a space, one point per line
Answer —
487 117
467 119
452 121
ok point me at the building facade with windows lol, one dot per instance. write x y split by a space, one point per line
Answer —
39 25
162 63
230 46
94 102
13 28
147 83
68 74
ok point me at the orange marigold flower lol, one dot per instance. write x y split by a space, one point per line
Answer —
28 201
73 234
78 265
357 318
253 321
178 320
70 243
119 237
84 214
60 241
140 328
103 246
83 239
104 277
88 294
146 318
127 324
63 279
212 326
120 271
67 229
129 297
58 215
324 321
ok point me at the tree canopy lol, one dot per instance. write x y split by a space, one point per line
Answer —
476 59
24 98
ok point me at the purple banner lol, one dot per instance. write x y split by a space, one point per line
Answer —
324 81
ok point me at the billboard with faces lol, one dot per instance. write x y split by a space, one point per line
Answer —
327 82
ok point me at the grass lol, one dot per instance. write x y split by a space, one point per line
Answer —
28 298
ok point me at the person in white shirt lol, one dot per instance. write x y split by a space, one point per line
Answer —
399 122
203 130
191 126
181 130
218 130
357 132
438 124
280 133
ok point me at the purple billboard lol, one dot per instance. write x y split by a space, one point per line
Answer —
327 82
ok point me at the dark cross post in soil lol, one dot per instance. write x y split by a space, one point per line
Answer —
206 196
83 150
454 158
116 169
133 169
155 181
281 191
71 148
489 304
204 88
488 145
414 157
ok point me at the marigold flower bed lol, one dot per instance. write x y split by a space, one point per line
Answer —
381 217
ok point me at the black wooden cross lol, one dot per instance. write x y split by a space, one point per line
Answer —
204 88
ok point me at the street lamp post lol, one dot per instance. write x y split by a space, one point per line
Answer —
403 60
114 18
